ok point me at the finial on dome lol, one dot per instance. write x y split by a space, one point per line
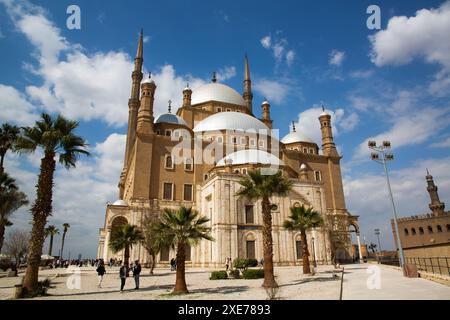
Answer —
293 126
214 77
428 173
187 87
170 107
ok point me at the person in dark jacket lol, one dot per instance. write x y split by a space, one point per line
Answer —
100 271
136 272
123 276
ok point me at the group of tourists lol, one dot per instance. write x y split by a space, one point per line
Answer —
124 271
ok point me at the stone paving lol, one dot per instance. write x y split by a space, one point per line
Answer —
325 285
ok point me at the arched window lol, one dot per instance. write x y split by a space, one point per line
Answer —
168 133
439 228
318 175
244 171
430 229
421 230
406 232
168 162
448 228
413 231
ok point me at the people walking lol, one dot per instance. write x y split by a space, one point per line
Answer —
123 276
173 264
136 273
100 271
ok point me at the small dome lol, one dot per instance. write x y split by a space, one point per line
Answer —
295 136
303 167
217 92
149 79
250 156
231 121
265 102
170 118
120 203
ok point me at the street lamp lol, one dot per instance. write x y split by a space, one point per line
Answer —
385 157
377 233
314 253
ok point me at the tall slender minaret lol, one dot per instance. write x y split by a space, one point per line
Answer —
133 106
145 115
248 95
436 205
328 146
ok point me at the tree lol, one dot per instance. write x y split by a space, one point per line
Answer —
303 219
151 242
178 229
66 227
17 246
51 231
56 137
256 186
8 138
11 199
124 237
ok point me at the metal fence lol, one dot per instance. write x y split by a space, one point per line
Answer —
438 265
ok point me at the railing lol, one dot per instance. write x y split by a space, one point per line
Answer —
438 265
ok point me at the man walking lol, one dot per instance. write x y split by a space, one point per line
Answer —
123 276
136 272
100 271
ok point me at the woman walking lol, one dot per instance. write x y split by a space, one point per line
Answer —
100 271
123 276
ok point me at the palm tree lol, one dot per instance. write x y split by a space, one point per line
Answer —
51 231
373 247
303 219
8 138
11 199
123 238
151 242
66 227
55 137
256 186
178 229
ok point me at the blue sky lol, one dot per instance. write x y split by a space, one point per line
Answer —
391 84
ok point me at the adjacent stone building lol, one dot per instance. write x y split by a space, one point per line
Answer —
196 157
426 235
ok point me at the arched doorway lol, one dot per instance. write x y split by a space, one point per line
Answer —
116 223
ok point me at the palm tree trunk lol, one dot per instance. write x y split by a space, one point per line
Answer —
305 253
2 159
269 278
62 245
126 256
153 262
50 246
180 283
41 209
2 236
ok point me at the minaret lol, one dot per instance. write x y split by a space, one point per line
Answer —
328 146
436 205
145 115
187 94
133 105
248 95
265 106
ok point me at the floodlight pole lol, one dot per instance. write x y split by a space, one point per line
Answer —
381 150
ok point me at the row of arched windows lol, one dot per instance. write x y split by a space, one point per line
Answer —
429 230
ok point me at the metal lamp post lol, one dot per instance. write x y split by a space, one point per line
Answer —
385 157
377 233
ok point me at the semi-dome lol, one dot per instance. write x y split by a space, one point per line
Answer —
295 136
231 121
217 92
251 156
170 118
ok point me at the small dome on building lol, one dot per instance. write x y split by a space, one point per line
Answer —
120 203
216 92
231 121
249 156
303 166
170 118
294 137
149 79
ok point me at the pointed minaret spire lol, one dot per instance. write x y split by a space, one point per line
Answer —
214 77
293 126
169 108
436 205
248 95
139 52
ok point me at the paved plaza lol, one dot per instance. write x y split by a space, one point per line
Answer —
383 283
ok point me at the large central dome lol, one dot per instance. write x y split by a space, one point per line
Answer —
217 92
231 121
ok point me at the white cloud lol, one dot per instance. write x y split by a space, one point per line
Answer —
336 57
226 73
424 35
445 143
279 48
15 108
273 90
290 56
367 195
266 42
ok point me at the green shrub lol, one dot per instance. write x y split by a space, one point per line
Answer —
245 263
234 273
252 263
218 275
253 273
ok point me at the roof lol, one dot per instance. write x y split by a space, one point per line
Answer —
295 136
217 92
231 121
251 156
170 118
